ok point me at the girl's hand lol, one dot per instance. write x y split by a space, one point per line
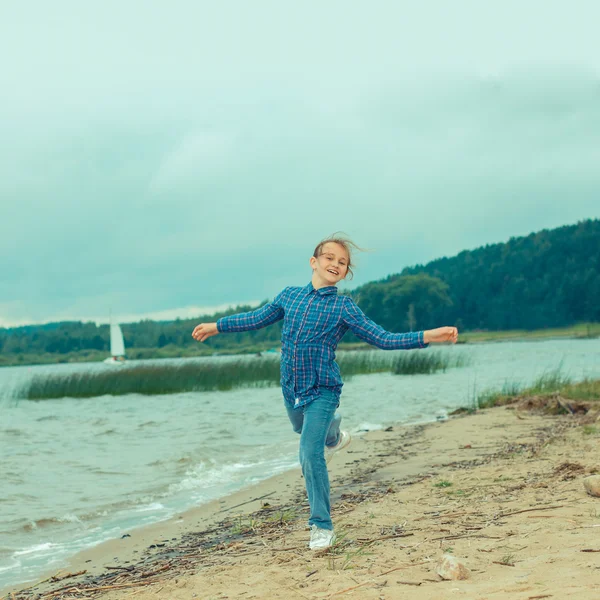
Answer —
441 334
204 331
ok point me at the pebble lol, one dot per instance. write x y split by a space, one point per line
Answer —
592 485
451 567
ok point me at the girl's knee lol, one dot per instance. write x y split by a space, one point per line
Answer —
312 456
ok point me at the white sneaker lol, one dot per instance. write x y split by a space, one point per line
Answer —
345 439
320 538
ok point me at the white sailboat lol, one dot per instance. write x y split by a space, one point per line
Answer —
117 346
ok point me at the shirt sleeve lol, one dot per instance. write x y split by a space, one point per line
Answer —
374 334
255 319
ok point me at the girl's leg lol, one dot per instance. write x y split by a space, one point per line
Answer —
318 418
333 435
296 417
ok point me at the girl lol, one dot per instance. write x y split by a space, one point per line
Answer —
315 318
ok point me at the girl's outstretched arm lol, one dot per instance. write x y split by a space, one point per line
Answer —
255 319
374 334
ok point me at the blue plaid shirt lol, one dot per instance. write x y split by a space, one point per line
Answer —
314 321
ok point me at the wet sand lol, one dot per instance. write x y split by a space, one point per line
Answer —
501 490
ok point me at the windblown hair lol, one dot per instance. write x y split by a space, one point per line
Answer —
347 244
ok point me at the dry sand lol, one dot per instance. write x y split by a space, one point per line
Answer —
501 490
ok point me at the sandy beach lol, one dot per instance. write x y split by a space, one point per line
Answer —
501 490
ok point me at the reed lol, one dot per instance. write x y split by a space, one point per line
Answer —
192 376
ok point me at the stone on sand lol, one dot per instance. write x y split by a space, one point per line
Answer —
592 485
450 567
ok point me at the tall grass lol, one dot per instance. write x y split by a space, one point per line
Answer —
411 363
196 376
548 383
155 379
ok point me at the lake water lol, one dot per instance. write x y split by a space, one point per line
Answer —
77 472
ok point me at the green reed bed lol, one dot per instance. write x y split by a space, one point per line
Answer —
197 376
363 363
155 379
412 363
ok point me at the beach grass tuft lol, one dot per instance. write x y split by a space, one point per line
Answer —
551 382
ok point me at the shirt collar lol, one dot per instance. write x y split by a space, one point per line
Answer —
324 291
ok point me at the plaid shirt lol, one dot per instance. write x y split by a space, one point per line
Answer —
314 321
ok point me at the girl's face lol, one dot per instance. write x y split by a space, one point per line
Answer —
332 264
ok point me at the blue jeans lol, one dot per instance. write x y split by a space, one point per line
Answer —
318 425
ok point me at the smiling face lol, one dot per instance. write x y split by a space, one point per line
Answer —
331 266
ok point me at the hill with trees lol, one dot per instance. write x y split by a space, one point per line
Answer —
546 279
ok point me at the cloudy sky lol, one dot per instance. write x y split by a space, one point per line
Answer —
157 158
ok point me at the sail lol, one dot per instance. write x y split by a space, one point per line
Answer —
117 346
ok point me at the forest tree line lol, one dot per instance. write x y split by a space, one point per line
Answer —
546 279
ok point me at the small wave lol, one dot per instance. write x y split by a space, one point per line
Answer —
106 432
103 472
47 418
49 522
12 432
13 477
148 424
10 567
203 475
150 507
37 549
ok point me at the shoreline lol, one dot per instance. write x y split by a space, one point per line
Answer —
478 486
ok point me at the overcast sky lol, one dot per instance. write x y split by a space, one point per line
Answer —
157 158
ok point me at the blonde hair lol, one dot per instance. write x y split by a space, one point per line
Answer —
347 244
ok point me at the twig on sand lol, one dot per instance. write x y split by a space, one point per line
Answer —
366 541
59 577
247 502
468 535
159 570
516 512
